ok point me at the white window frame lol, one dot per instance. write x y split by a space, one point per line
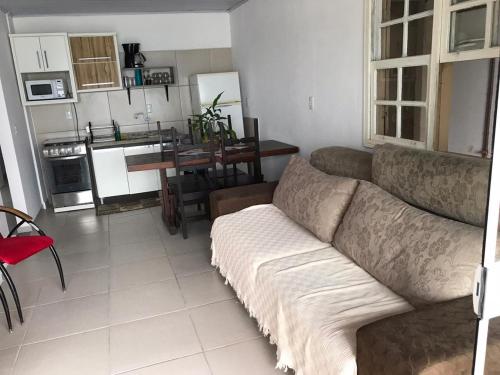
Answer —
488 52
372 63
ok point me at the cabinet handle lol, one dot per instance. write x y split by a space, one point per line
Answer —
38 58
94 58
98 84
46 59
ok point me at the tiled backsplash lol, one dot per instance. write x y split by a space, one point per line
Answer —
100 108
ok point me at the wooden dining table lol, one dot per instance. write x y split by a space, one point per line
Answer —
162 161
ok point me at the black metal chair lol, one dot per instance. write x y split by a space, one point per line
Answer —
236 151
193 188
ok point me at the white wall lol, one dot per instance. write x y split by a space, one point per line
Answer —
468 107
288 50
155 32
14 133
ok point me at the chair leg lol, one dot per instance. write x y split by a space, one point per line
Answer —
6 308
13 290
59 267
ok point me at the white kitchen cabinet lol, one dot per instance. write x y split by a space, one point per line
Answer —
110 170
39 57
45 53
28 54
144 181
54 49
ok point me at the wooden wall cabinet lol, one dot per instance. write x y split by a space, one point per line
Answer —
95 62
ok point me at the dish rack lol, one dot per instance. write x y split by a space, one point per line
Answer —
102 134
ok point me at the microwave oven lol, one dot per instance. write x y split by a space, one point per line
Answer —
46 89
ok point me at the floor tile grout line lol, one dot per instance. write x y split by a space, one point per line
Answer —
155 364
100 328
201 344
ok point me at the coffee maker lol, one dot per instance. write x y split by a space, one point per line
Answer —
133 57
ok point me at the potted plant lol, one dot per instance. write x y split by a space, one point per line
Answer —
211 115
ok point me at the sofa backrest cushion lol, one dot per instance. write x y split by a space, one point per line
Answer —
341 161
450 185
422 257
312 198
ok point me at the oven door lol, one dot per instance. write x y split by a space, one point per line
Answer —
69 174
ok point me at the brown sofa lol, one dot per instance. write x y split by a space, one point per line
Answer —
437 337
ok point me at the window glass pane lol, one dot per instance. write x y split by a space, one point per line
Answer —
387 84
413 123
415 83
420 37
495 35
468 29
419 6
386 120
392 41
392 9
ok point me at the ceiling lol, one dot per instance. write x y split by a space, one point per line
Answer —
55 7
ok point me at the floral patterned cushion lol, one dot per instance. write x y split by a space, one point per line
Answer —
449 185
341 161
422 257
312 198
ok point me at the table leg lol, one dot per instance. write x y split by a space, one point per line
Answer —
167 204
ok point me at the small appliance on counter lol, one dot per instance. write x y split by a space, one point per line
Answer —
101 134
45 89
68 174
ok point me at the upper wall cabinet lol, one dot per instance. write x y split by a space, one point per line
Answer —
36 54
471 30
43 68
95 62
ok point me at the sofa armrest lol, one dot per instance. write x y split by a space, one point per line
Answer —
438 339
228 201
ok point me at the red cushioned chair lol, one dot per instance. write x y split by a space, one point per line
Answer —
16 249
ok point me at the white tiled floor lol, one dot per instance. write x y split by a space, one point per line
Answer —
139 302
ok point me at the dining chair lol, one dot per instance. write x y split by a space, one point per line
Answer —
14 250
237 151
6 309
193 188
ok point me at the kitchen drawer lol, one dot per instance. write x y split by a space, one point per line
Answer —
144 181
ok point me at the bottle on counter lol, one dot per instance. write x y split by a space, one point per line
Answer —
118 134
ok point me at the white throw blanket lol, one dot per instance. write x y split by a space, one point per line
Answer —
307 296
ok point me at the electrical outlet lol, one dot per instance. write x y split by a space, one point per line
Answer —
149 108
311 103
69 115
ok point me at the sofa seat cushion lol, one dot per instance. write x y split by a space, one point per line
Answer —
312 305
243 241
422 257
313 199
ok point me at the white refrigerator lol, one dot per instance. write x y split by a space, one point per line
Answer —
206 87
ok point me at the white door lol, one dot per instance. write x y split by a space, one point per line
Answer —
110 172
144 181
28 54
54 53
487 289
